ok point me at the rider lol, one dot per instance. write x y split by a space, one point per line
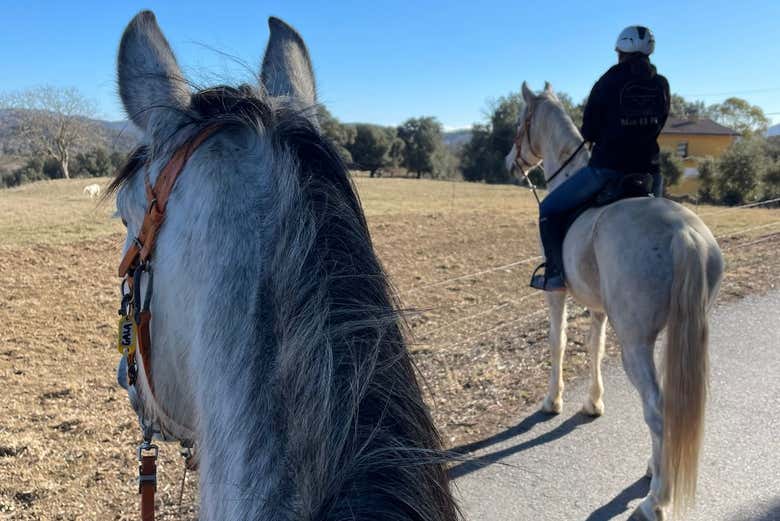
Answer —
625 112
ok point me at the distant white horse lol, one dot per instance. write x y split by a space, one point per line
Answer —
646 264
92 190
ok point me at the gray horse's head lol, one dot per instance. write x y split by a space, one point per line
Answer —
275 334
162 103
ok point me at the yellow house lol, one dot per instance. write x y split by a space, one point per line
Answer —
693 140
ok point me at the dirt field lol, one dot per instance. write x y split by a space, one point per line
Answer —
459 254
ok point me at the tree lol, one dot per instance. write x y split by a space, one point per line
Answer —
371 147
740 115
54 120
671 168
397 148
482 158
445 163
681 108
475 154
421 137
575 112
739 170
94 163
340 134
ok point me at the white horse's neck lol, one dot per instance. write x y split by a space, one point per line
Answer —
557 139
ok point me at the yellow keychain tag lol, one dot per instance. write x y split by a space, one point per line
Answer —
127 337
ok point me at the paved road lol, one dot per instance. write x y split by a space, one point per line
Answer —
571 468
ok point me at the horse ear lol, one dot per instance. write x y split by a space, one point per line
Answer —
151 84
528 95
547 87
287 68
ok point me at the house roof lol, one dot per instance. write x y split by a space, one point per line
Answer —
701 126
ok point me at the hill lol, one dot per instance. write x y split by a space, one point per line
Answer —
773 130
454 139
119 136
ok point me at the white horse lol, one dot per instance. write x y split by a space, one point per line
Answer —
274 342
92 190
646 264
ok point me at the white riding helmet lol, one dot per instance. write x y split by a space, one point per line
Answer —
636 38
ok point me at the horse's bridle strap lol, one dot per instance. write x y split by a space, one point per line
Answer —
157 199
147 485
519 142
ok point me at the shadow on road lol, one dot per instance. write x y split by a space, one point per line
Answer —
618 505
472 464
771 513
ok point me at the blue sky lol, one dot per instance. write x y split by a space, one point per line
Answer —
383 62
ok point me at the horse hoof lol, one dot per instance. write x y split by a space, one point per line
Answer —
593 409
640 513
552 406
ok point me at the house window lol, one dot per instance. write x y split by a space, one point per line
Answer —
682 149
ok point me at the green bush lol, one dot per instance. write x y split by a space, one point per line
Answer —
671 168
771 181
740 169
708 170
95 163
35 169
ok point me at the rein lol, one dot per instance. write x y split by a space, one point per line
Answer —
519 156
135 312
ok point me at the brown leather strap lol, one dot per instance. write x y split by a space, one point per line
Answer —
137 254
144 346
157 199
147 485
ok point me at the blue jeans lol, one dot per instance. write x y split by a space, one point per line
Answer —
556 208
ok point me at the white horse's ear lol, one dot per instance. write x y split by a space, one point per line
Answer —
286 67
548 87
151 84
528 94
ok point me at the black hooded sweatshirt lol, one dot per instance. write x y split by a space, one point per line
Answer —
626 111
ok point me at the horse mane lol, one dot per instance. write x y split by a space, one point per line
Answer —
559 121
359 440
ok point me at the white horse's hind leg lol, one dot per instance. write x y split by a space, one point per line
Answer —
640 368
594 405
556 303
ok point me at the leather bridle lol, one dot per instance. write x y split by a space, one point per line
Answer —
521 162
136 313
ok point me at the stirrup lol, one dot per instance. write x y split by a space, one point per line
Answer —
545 283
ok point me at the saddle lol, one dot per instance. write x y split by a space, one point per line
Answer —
629 185
625 187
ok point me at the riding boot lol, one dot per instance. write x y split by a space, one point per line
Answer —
552 232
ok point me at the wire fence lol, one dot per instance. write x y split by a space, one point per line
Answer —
732 208
526 316
471 275
539 257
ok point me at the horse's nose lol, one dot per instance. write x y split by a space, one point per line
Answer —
121 373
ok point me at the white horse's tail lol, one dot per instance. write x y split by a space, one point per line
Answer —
686 368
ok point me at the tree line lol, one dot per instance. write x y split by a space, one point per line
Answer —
416 146
60 137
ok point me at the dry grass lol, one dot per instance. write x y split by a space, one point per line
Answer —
54 212
67 435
